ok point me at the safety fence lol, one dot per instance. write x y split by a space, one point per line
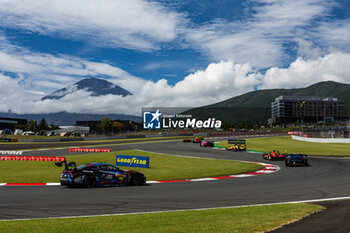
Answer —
89 150
241 133
10 152
33 158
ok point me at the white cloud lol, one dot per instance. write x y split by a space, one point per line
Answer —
302 72
11 95
135 24
334 35
219 81
238 47
307 50
260 38
43 73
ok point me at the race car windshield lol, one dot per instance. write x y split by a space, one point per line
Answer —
82 167
240 142
297 156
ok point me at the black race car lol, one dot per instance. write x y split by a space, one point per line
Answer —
98 174
296 160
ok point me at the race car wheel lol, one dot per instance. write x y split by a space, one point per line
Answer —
89 181
136 180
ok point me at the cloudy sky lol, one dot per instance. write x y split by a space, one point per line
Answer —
167 52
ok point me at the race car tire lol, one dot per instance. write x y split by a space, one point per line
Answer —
136 180
89 181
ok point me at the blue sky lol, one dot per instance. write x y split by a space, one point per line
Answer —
166 52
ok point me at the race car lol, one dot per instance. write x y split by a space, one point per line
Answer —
274 155
98 174
197 139
207 144
236 145
187 140
296 160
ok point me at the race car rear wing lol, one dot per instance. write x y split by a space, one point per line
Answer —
70 165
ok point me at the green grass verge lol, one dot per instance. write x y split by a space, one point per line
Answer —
162 167
285 143
242 219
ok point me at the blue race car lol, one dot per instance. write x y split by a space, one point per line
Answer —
296 159
98 174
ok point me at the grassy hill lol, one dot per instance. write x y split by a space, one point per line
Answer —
255 107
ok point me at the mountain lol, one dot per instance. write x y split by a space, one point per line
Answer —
64 118
255 107
97 86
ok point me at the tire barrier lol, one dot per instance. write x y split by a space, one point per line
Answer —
241 133
10 152
33 158
89 150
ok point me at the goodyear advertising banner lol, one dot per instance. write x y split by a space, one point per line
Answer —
132 161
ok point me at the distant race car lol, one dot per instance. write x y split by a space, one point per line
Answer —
274 155
207 144
236 145
187 140
197 139
98 174
296 160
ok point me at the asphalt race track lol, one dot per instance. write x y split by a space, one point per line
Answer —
325 178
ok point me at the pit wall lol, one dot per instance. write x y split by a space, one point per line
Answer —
321 140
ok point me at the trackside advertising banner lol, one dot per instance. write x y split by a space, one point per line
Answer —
177 118
132 161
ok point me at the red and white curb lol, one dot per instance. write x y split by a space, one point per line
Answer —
269 168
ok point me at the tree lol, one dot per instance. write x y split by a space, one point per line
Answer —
54 127
32 126
106 125
43 125
20 126
117 126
